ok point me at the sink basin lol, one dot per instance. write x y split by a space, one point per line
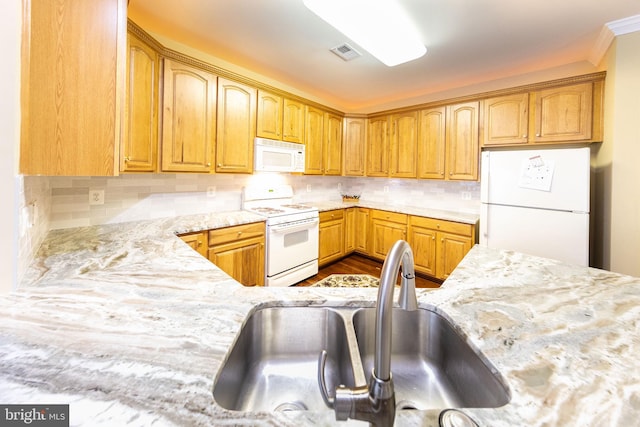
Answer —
431 364
274 362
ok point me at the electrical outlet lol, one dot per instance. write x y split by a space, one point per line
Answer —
385 189
466 195
211 191
96 197
308 188
339 186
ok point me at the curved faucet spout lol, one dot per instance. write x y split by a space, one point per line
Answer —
399 254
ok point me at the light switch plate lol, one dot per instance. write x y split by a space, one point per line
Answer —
96 197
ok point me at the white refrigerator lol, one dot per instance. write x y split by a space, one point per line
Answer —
537 202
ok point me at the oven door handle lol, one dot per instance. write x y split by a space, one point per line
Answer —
279 229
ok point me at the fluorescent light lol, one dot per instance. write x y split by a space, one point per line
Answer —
380 27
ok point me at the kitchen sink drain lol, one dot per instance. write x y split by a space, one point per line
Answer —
455 418
406 404
291 406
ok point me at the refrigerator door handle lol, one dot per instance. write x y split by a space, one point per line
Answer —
484 224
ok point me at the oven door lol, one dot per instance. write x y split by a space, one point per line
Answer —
290 245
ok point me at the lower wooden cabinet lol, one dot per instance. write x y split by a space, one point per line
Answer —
362 232
197 241
349 230
386 229
239 252
332 236
439 246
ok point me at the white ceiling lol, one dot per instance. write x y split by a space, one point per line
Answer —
468 41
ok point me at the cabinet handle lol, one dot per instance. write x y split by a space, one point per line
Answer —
433 238
126 159
524 136
537 134
437 225
442 240
239 233
219 165
209 164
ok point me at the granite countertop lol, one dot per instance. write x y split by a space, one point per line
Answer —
129 326
465 218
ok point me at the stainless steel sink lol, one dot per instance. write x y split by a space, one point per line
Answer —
274 363
432 366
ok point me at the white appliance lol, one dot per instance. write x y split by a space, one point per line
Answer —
271 155
291 246
537 202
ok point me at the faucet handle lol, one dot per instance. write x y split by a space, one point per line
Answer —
322 360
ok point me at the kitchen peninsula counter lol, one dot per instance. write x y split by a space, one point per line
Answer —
129 326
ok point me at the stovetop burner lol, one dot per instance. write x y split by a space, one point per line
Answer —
297 206
268 210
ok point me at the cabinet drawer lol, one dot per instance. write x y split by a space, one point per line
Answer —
442 225
230 234
332 215
389 216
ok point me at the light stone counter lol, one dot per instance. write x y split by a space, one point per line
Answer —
465 218
129 326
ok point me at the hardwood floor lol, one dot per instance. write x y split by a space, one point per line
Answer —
358 264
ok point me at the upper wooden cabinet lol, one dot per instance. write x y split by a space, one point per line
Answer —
462 141
236 127
354 146
404 145
189 118
505 120
378 146
73 85
293 120
563 114
313 140
332 150
269 116
431 143
139 147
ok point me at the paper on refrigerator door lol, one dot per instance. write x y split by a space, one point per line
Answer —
536 173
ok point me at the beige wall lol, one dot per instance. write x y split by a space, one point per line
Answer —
10 19
618 161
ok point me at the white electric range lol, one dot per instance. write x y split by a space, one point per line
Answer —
291 246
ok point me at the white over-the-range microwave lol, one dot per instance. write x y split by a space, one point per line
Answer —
278 156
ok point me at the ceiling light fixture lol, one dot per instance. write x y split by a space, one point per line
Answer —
380 27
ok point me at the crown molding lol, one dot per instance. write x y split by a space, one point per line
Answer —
609 32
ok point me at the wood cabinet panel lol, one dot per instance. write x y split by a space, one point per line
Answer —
314 134
563 114
236 128
378 146
431 143
362 231
242 260
189 118
139 147
404 145
293 117
73 85
505 120
331 237
462 141
386 229
238 232
452 248
269 115
197 242
349 230
354 146
332 150
423 244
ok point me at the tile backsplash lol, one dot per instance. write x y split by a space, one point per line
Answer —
139 197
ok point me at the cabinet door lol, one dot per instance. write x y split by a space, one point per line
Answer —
362 231
384 235
354 146
506 120
197 241
563 114
236 127
431 143
349 230
451 249
189 118
293 121
423 243
462 141
139 147
378 147
403 145
331 236
314 134
243 260
73 82
332 144
269 117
